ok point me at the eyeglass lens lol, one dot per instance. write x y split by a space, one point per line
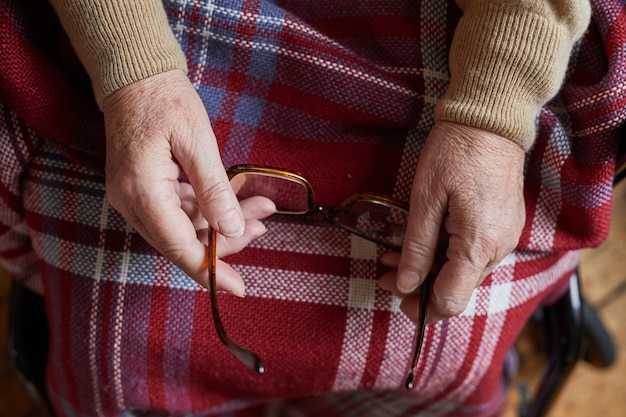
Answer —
374 220
290 196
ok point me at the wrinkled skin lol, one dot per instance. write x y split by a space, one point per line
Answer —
468 187
468 182
156 130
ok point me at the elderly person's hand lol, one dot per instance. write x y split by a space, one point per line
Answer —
468 187
157 129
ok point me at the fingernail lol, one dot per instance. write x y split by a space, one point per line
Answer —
408 281
384 285
262 232
233 292
231 224
390 259
237 293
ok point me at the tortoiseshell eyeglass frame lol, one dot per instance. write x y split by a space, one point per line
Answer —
249 358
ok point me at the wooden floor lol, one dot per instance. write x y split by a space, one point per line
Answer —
589 392
592 391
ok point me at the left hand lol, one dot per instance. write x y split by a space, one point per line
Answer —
156 130
469 186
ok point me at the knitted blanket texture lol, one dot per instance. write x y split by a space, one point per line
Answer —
343 92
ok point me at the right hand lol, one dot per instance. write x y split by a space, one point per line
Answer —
469 188
156 130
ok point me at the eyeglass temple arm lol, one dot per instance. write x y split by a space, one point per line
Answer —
245 356
425 291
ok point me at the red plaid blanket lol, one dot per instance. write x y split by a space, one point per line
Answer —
342 91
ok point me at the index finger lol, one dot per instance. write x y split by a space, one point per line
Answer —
161 220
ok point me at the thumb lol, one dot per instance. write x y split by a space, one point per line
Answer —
421 245
214 195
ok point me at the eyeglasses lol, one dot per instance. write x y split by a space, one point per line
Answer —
376 218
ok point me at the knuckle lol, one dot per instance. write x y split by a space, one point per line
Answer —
172 251
415 248
451 307
213 193
117 201
492 247
497 247
123 199
490 242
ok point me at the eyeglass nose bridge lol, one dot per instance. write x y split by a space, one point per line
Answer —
318 212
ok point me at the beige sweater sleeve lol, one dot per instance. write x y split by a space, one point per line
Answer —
120 42
508 58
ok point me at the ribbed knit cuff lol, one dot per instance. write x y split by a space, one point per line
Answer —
120 42
505 63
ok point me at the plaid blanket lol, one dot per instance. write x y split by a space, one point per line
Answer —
342 91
